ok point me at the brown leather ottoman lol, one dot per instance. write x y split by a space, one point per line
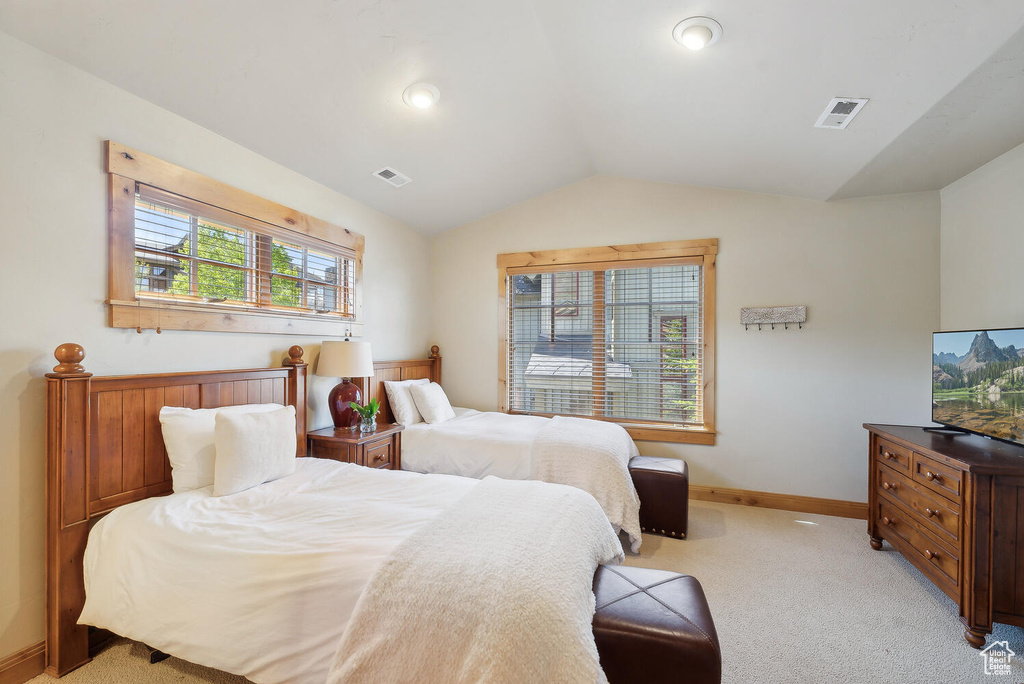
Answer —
663 485
654 626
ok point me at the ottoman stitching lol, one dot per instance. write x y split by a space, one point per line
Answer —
669 579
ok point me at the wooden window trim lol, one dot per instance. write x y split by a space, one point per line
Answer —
648 432
644 255
126 167
590 255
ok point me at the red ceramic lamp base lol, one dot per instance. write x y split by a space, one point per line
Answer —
338 401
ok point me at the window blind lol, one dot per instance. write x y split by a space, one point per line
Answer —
188 250
618 343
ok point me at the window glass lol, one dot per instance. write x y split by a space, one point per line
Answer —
642 362
181 254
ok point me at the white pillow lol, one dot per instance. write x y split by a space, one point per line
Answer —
189 440
402 404
253 448
432 402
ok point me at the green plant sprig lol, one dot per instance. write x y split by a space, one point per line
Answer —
368 411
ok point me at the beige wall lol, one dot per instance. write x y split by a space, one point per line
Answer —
53 119
982 245
790 403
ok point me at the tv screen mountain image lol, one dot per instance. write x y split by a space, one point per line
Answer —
978 382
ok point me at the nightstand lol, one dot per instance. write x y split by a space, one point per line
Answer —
379 449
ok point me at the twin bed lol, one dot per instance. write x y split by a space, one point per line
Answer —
313 576
588 454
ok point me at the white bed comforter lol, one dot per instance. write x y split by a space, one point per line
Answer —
473 444
594 456
260 583
496 589
590 454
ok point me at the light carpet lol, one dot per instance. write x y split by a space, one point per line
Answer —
793 602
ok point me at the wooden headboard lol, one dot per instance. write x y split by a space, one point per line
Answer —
104 448
410 369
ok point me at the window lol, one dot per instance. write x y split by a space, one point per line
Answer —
619 333
190 253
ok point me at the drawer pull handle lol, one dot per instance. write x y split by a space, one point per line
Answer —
932 477
378 457
930 513
888 521
888 485
931 555
887 455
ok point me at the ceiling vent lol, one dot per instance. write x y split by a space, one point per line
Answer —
392 177
840 112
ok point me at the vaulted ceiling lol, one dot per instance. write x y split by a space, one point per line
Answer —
535 95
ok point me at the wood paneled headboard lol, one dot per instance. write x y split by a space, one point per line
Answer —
104 448
409 369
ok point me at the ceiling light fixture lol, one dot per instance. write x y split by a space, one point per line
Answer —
421 95
696 33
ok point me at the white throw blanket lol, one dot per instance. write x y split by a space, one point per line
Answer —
497 588
594 456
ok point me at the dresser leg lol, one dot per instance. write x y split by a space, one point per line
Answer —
975 637
876 543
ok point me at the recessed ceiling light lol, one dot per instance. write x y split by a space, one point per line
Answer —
421 95
697 33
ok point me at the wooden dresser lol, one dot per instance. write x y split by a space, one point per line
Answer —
953 505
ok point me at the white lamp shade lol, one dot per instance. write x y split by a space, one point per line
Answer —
345 360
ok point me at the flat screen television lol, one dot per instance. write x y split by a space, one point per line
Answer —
978 382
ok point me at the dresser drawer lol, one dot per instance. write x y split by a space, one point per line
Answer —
929 554
894 456
378 454
937 513
937 476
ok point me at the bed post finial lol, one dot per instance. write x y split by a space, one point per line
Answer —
69 357
435 356
295 395
295 356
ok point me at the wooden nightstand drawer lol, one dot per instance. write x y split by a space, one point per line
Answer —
937 476
378 454
894 456
335 451
935 512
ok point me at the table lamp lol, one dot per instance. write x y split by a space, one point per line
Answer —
345 360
